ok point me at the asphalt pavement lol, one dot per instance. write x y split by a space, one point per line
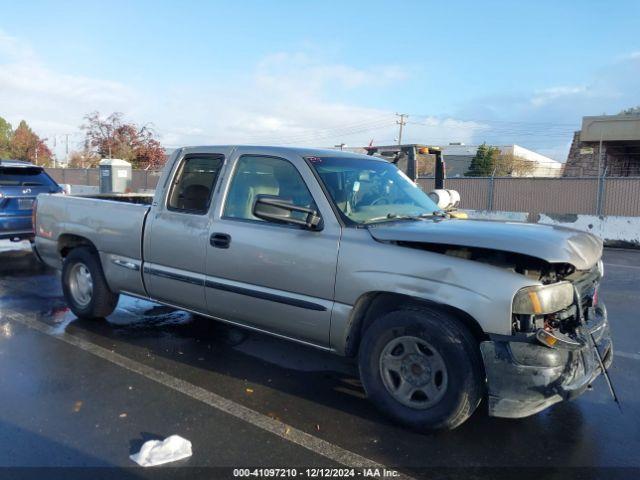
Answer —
85 395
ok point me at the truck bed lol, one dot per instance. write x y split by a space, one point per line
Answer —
113 223
137 198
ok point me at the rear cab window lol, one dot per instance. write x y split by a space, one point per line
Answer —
194 182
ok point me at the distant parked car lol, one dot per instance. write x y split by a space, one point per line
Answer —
20 183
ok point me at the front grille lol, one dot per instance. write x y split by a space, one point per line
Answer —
586 284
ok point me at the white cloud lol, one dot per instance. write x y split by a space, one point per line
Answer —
544 120
442 131
53 103
282 70
629 56
292 98
285 98
547 95
32 79
12 47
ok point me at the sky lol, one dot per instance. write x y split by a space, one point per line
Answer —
320 73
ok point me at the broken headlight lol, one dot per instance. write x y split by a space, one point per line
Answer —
543 299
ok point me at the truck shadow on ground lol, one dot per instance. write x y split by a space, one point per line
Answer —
321 393
309 389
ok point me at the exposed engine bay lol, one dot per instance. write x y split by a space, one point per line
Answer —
531 267
565 322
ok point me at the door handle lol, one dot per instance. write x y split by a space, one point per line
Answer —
220 240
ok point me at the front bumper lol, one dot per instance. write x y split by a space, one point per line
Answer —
525 377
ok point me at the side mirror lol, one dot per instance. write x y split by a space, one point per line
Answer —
277 210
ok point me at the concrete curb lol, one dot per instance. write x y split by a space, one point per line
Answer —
615 231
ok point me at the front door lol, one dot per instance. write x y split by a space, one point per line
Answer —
176 239
274 277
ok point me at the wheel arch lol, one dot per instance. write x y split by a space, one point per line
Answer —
372 305
102 300
69 241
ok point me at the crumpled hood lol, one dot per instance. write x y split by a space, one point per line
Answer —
547 242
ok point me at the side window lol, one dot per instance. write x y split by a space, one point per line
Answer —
193 184
256 175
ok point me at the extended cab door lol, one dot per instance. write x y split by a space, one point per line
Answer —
176 235
274 277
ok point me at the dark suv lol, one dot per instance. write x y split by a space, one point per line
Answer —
20 183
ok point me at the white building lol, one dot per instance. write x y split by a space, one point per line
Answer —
458 158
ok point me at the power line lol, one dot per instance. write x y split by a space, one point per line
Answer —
315 138
309 136
506 122
493 131
306 133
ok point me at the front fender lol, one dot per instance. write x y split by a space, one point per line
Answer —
484 292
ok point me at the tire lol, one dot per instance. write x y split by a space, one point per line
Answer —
423 368
88 303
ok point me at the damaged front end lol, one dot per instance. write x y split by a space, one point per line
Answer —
551 355
547 355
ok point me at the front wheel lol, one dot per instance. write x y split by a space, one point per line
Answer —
84 286
422 367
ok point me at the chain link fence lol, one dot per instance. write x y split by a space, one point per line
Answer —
582 195
141 179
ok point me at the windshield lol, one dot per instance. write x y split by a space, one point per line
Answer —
370 191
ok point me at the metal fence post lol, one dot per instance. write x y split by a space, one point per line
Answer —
490 191
601 191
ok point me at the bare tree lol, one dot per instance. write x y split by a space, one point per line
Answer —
112 137
510 165
83 159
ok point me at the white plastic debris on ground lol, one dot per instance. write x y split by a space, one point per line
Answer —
157 452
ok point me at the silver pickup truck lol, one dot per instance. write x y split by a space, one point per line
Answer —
345 253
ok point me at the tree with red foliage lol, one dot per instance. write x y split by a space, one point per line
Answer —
111 137
25 144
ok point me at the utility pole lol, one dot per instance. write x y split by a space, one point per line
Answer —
66 148
55 155
402 122
600 155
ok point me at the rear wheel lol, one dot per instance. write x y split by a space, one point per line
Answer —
85 287
422 367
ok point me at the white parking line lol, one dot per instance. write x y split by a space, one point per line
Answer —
276 427
633 356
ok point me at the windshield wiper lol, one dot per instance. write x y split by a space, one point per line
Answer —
396 216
